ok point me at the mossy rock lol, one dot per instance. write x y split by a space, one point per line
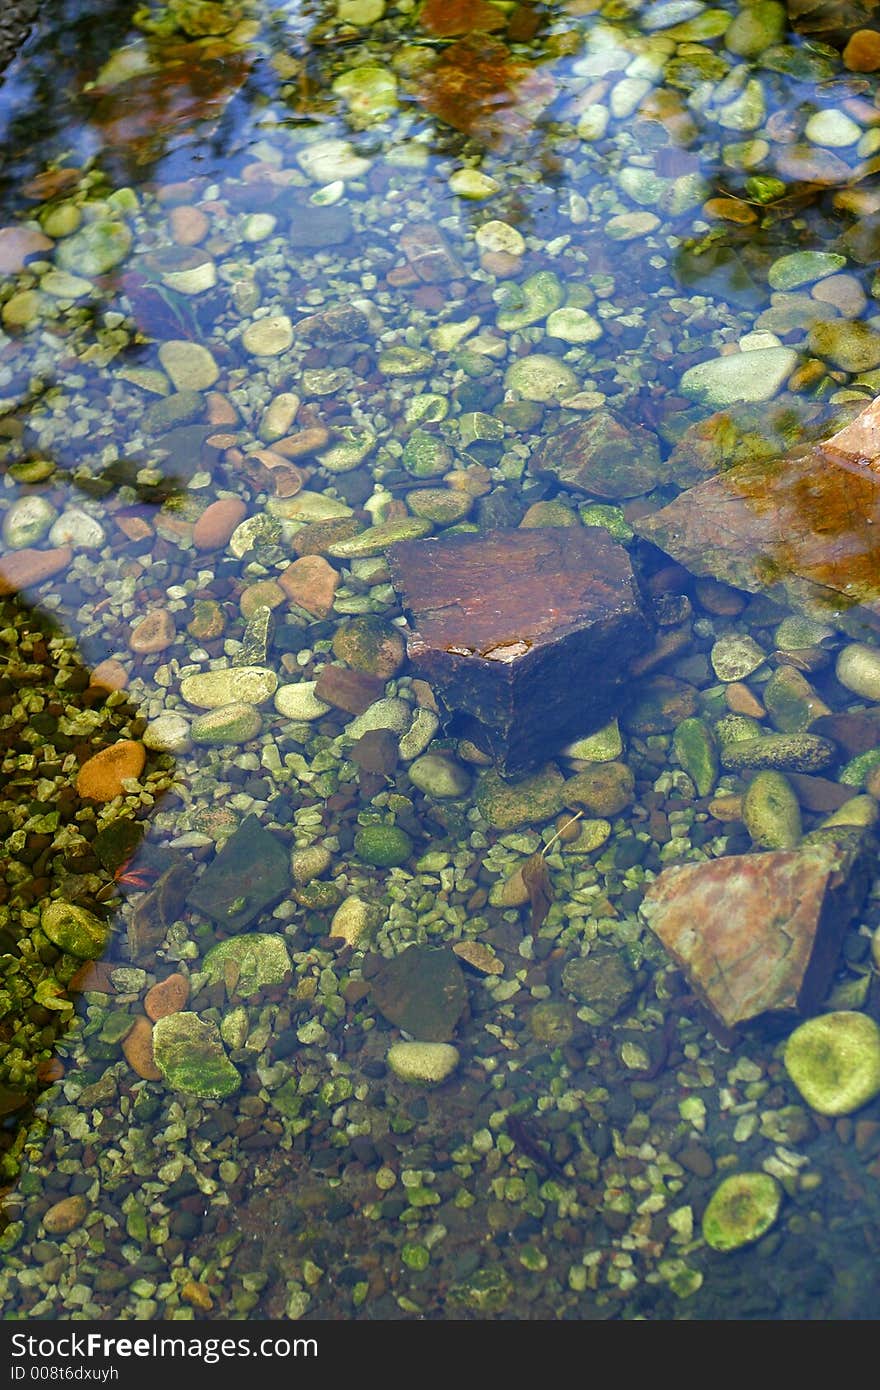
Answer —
370 643
834 1061
383 846
189 1053
74 930
697 752
741 1210
528 801
771 812
261 957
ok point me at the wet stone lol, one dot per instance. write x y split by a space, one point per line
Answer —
190 1055
798 752
314 228
802 529
348 689
602 457
256 638
229 724
249 874
602 981
249 685
259 960
746 961
95 248
742 376
427 1063
423 991
505 669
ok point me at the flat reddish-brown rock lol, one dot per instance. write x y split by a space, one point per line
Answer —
803 528
525 636
348 689
758 933
23 569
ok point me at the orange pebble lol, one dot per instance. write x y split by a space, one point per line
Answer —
169 996
137 1048
189 225
217 523
101 777
862 52
110 675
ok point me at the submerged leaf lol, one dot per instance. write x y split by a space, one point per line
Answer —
536 877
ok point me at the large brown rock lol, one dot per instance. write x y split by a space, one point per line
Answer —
525 636
803 529
759 934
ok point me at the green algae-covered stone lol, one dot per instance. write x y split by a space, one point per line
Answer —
550 513
697 752
441 505
439 776
405 361
506 805
426 455
74 930
383 846
261 957
803 268
834 1061
180 408
611 519
741 1210
552 1022
95 248
369 91
370 643
376 539
540 377
854 346
486 1291
348 451
189 1053
230 724
531 302
791 701
755 28
771 812
604 790
801 752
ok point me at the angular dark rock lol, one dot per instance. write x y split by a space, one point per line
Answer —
760 934
804 529
601 457
248 875
423 991
525 636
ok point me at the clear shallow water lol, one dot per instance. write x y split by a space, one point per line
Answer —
317 242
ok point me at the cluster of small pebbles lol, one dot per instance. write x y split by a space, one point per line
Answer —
230 808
